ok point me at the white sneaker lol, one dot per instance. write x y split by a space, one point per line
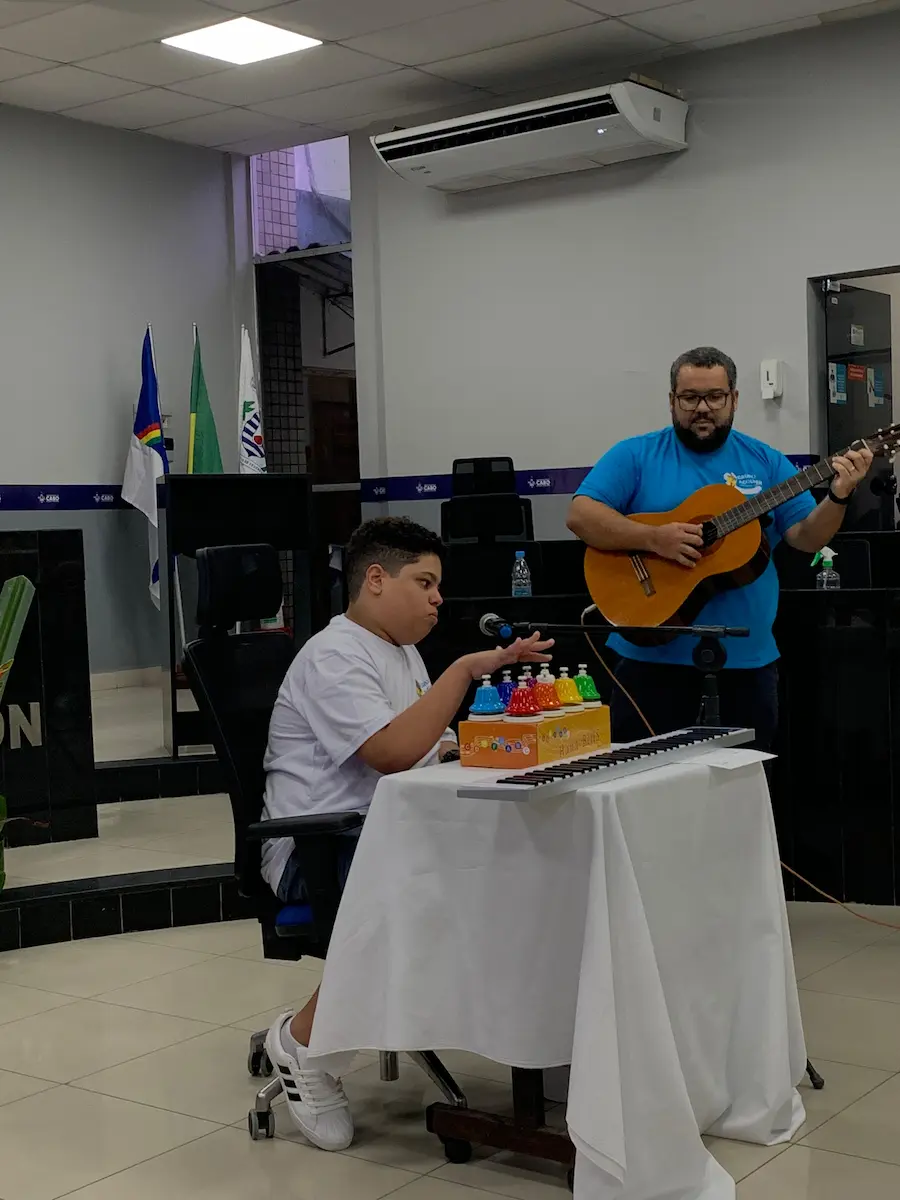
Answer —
315 1101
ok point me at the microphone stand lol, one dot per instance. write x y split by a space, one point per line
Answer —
709 654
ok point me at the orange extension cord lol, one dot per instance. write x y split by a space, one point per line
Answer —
833 899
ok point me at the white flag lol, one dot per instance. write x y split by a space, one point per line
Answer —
147 462
251 447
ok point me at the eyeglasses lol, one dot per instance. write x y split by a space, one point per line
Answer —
690 400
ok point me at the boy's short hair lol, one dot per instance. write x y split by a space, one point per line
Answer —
391 542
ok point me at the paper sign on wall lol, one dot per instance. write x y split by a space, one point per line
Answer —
837 383
857 335
856 373
875 386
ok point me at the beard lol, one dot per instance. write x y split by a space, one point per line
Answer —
703 445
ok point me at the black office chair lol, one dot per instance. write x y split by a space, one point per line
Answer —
488 519
235 678
482 476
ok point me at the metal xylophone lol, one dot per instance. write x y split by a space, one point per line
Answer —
628 759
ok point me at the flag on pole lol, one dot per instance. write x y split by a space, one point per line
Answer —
147 462
204 457
251 447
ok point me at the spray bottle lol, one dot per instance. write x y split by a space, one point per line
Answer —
827 579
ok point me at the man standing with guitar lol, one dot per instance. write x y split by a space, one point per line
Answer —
658 471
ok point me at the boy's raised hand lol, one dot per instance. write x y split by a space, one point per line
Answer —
530 649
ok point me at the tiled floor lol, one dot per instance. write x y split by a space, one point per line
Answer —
128 723
140 835
122 1074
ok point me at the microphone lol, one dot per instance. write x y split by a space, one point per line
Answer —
493 626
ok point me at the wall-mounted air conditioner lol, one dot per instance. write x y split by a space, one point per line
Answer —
547 137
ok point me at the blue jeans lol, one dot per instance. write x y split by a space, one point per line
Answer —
292 887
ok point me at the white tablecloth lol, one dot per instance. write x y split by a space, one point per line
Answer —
635 929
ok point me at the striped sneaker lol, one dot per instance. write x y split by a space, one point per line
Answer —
315 1101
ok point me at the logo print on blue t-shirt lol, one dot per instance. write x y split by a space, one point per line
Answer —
748 485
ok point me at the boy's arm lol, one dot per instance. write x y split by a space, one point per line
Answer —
414 733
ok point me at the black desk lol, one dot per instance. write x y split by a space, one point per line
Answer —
835 791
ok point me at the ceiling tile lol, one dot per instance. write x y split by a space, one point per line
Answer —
12 11
244 6
14 65
152 64
760 31
92 29
495 23
558 56
140 110
337 20
61 88
697 19
623 8
227 128
260 145
401 91
318 67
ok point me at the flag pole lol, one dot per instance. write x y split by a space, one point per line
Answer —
179 606
192 418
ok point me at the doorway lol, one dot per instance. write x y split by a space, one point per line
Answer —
855 362
332 453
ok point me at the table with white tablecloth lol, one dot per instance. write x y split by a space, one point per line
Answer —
635 929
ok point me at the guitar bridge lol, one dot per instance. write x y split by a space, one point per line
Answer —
643 575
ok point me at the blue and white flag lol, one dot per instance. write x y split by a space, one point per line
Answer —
251 447
147 462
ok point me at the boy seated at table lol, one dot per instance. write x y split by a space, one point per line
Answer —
357 704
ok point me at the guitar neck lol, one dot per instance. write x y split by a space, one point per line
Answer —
758 506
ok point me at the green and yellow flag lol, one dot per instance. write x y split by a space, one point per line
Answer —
204 456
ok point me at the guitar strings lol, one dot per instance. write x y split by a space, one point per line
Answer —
826 895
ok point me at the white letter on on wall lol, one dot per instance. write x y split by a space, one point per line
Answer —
18 724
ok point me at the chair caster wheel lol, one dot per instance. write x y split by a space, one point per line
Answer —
267 1067
261 1125
570 1179
457 1151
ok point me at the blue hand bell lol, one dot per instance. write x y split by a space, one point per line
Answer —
506 688
487 703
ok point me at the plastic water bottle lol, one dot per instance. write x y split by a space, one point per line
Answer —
521 576
827 579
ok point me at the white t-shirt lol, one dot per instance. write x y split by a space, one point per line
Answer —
342 688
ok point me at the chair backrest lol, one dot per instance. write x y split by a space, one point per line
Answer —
482 476
505 517
235 678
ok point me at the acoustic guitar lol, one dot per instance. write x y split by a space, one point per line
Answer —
644 589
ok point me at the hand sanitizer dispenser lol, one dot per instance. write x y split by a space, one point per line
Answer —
771 378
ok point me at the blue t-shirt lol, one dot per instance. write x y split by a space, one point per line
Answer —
654 473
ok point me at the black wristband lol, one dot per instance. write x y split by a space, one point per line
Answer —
842 500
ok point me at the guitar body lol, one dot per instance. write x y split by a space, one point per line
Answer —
642 589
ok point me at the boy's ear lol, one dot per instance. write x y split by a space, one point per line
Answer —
374 580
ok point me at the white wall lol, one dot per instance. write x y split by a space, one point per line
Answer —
103 231
540 320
